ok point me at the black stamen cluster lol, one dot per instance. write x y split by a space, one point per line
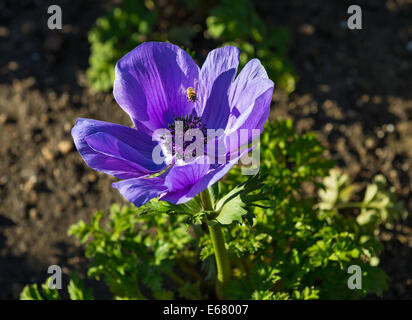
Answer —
189 122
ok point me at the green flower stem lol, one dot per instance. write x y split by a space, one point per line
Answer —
222 258
206 199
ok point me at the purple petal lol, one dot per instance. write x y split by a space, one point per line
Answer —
212 177
254 102
183 177
180 179
250 97
216 76
188 182
208 179
151 82
176 197
257 117
139 191
114 149
251 72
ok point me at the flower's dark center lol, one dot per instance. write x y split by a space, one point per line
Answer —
186 122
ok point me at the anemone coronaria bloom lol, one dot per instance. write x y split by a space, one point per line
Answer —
157 84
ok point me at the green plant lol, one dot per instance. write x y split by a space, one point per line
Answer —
230 23
75 288
115 34
282 240
237 23
121 30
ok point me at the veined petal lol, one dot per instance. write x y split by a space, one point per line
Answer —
196 179
250 97
252 71
215 79
209 179
252 104
151 82
140 190
244 128
183 177
114 149
180 179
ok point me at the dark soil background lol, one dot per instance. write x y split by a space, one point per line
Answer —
355 91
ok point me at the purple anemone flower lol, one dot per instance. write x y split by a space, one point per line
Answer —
157 84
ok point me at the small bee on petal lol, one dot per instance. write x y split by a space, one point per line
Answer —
191 94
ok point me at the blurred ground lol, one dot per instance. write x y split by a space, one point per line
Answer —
354 91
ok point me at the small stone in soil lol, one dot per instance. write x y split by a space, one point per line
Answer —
47 153
32 213
65 146
3 118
